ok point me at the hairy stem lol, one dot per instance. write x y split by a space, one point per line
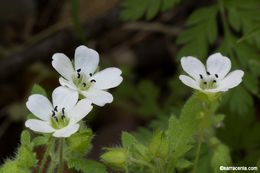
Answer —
60 170
45 156
197 154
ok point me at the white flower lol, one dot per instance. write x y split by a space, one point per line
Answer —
60 117
213 78
82 77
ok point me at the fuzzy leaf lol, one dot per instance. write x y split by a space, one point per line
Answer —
86 166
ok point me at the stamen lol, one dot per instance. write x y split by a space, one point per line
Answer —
93 80
56 108
205 82
63 111
201 77
84 84
208 73
214 81
216 75
79 70
78 75
53 114
56 119
62 117
90 74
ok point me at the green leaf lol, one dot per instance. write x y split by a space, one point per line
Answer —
136 9
183 163
26 158
37 89
202 31
86 166
128 140
25 138
41 140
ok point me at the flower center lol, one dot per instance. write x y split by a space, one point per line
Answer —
209 81
58 119
82 81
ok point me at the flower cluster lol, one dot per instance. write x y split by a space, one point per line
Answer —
81 85
213 78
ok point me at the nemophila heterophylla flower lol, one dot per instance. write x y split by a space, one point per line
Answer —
60 117
215 77
81 76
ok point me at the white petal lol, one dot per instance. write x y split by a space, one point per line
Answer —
107 78
63 65
66 131
82 108
86 59
40 106
193 67
67 83
232 80
98 97
219 65
39 126
64 98
189 82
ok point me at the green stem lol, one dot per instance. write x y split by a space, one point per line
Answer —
224 19
45 156
60 170
197 154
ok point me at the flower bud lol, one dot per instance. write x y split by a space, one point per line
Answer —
115 157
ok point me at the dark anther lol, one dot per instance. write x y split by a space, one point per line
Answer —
62 117
208 73
216 75
56 108
53 114
56 119
201 76
63 111
78 75
84 84
90 74
214 81
205 83
93 80
79 70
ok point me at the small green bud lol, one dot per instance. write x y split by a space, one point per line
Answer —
115 157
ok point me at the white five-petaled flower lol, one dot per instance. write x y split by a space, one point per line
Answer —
60 117
82 77
215 77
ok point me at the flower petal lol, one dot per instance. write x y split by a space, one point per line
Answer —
98 97
218 65
86 59
39 126
232 80
64 98
66 131
193 67
67 83
40 106
107 78
189 82
82 108
63 65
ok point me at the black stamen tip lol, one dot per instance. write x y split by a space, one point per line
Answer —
214 81
93 80
63 111
201 76
53 114
205 83
90 74
208 73
79 70
56 108
216 75
84 84
62 117
78 75
56 119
